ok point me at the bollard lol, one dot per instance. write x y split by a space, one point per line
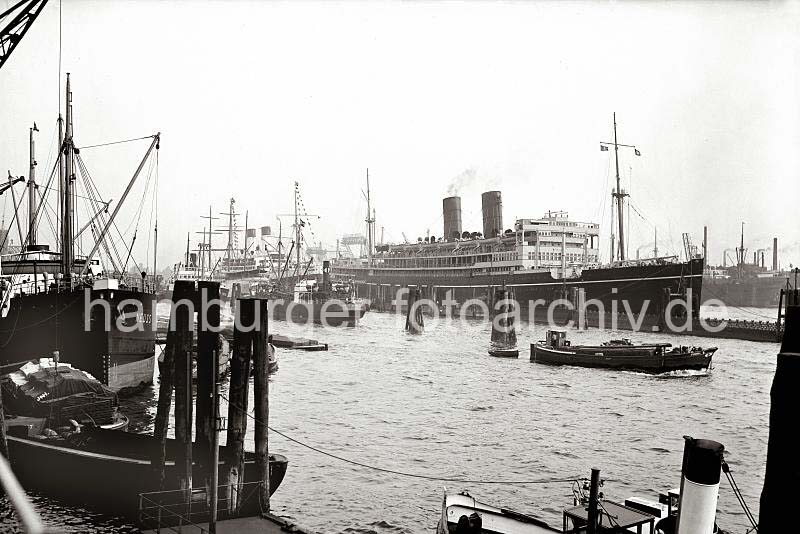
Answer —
702 464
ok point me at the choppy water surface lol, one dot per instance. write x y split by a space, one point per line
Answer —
437 404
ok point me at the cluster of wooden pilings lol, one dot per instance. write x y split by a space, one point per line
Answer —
504 333
249 353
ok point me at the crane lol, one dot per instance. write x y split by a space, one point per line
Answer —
11 181
404 237
12 32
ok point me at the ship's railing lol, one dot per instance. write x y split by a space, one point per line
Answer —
169 510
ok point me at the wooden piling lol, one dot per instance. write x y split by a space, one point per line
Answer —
504 334
415 322
213 484
166 371
237 406
781 476
184 321
261 349
581 304
3 442
207 347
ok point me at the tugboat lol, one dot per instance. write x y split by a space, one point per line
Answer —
692 505
652 358
333 304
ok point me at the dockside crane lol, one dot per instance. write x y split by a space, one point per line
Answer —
16 21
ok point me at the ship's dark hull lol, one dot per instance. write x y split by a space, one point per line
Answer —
108 474
38 324
646 360
636 285
750 292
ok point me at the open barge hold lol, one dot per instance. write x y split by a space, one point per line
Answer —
108 469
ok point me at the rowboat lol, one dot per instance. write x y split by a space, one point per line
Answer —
462 514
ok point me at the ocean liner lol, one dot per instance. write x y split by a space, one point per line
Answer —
545 258
46 294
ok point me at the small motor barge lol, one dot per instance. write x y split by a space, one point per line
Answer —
647 358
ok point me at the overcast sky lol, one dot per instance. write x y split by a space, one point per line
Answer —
250 96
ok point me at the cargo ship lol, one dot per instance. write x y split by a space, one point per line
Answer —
540 260
87 312
746 284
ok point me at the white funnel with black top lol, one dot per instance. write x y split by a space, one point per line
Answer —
702 465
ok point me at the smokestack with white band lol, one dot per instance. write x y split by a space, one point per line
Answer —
702 465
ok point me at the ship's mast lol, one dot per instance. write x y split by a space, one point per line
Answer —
297 228
230 233
32 190
61 172
620 196
246 216
280 243
67 251
370 221
741 258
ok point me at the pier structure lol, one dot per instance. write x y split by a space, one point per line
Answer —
242 498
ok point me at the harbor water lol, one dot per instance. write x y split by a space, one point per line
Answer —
438 405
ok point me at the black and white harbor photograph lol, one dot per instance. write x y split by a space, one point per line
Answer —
399 267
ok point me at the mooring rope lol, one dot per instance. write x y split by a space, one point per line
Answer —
402 473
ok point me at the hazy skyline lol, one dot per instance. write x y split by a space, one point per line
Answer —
251 96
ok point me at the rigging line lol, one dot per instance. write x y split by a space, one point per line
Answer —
91 190
152 209
401 473
49 220
116 142
729 475
13 219
103 218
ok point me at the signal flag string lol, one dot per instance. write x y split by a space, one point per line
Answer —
402 473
